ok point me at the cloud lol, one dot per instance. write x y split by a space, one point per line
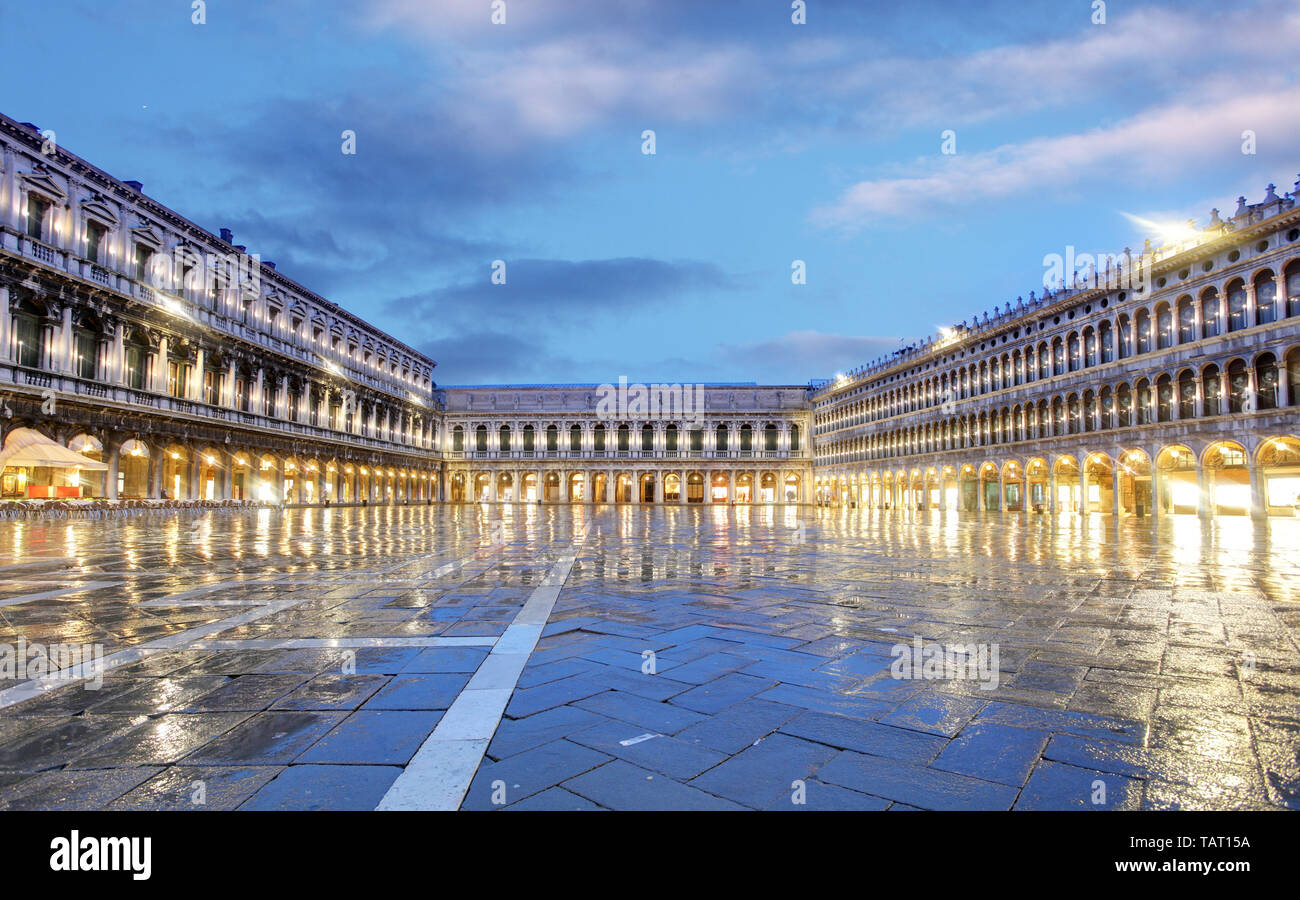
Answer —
1163 144
797 356
546 288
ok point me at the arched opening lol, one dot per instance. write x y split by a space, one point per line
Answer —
599 485
1066 473
1036 484
175 473
988 476
968 488
623 484
91 482
577 481
1098 484
133 470
528 487
1266 311
1179 494
482 487
791 489
1227 479
718 486
505 487
767 488
1267 383
1278 460
744 487
672 488
695 488
1013 486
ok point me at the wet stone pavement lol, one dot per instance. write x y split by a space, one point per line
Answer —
698 658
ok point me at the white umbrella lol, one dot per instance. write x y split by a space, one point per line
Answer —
25 447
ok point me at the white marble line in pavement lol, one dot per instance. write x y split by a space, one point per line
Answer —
179 641
357 643
69 589
439 774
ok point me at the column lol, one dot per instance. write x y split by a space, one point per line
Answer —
731 486
1258 500
6 326
64 361
113 460
684 496
1116 482
227 476
1203 509
708 486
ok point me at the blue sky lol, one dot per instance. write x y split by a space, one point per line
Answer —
774 142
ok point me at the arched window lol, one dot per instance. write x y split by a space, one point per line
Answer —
529 439
1266 380
575 439
598 438
480 436
1164 327
670 438
1142 400
1107 342
1265 299
1164 399
721 437
1293 290
1186 321
552 439
1143 323
458 439
647 438
1210 324
794 437
1124 405
504 442
1186 394
624 438
1237 305
746 437
1210 391
769 437
1293 376
1125 336
1238 386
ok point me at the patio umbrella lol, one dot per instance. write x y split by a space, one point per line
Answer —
25 447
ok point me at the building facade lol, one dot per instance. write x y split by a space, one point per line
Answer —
1174 392
190 368
739 443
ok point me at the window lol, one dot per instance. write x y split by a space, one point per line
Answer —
575 439
211 379
86 354
1265 300
1237 307
94 240
1210 314
37 208
27 331
137 360
458 439
142 256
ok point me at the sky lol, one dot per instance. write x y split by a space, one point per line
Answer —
774 142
